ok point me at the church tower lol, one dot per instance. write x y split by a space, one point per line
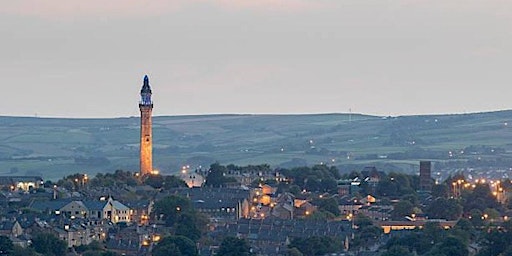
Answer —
146 136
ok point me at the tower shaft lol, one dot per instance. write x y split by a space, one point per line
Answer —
146 140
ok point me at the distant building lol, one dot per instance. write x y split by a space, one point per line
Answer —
193 179
146 136
271 236
219 203
372 177
24 183
73 235
425 176
109 209
349 187
389 226
284 208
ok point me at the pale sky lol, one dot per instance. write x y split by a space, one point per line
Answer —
76 58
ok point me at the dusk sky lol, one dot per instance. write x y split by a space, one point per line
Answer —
71 58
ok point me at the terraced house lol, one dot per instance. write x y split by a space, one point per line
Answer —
108 209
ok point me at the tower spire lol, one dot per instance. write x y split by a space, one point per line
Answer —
145 85
145 93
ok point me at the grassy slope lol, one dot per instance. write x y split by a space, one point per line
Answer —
48 146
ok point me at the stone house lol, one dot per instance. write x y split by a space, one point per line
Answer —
11 229
73 235
110 209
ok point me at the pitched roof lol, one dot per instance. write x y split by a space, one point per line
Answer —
95 205
52 205
119 206
123 244
7 225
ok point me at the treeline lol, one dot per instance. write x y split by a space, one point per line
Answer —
119 178
434 240
318 179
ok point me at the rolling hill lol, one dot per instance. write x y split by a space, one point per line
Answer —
54 147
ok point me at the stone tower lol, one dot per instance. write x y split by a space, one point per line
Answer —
146 137
426 176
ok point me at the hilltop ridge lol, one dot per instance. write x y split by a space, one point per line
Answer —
53 147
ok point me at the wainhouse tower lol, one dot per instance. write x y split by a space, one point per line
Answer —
146 136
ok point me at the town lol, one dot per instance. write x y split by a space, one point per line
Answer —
274 211
255 210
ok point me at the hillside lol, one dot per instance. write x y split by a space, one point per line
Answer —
55 147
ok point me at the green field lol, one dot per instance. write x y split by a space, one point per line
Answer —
56 147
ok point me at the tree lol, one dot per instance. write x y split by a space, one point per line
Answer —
164 250
170 207
319 178
175 245
396 185
387 187
397 251
155 181
415 241
294 252
442 208
491 213
480 198
48 244
6 245
216 176
432 240
507 252
190 224
402 209
178 213
464 230
497 241
328 205
99 253
93 246
316 245
440 190
367 236
475 217
166 182
172 181
232 246
433 232
451 246
362 221
20 251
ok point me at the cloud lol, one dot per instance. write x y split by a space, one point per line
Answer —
59 9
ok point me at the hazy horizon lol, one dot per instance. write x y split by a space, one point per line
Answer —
75 59
262 114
